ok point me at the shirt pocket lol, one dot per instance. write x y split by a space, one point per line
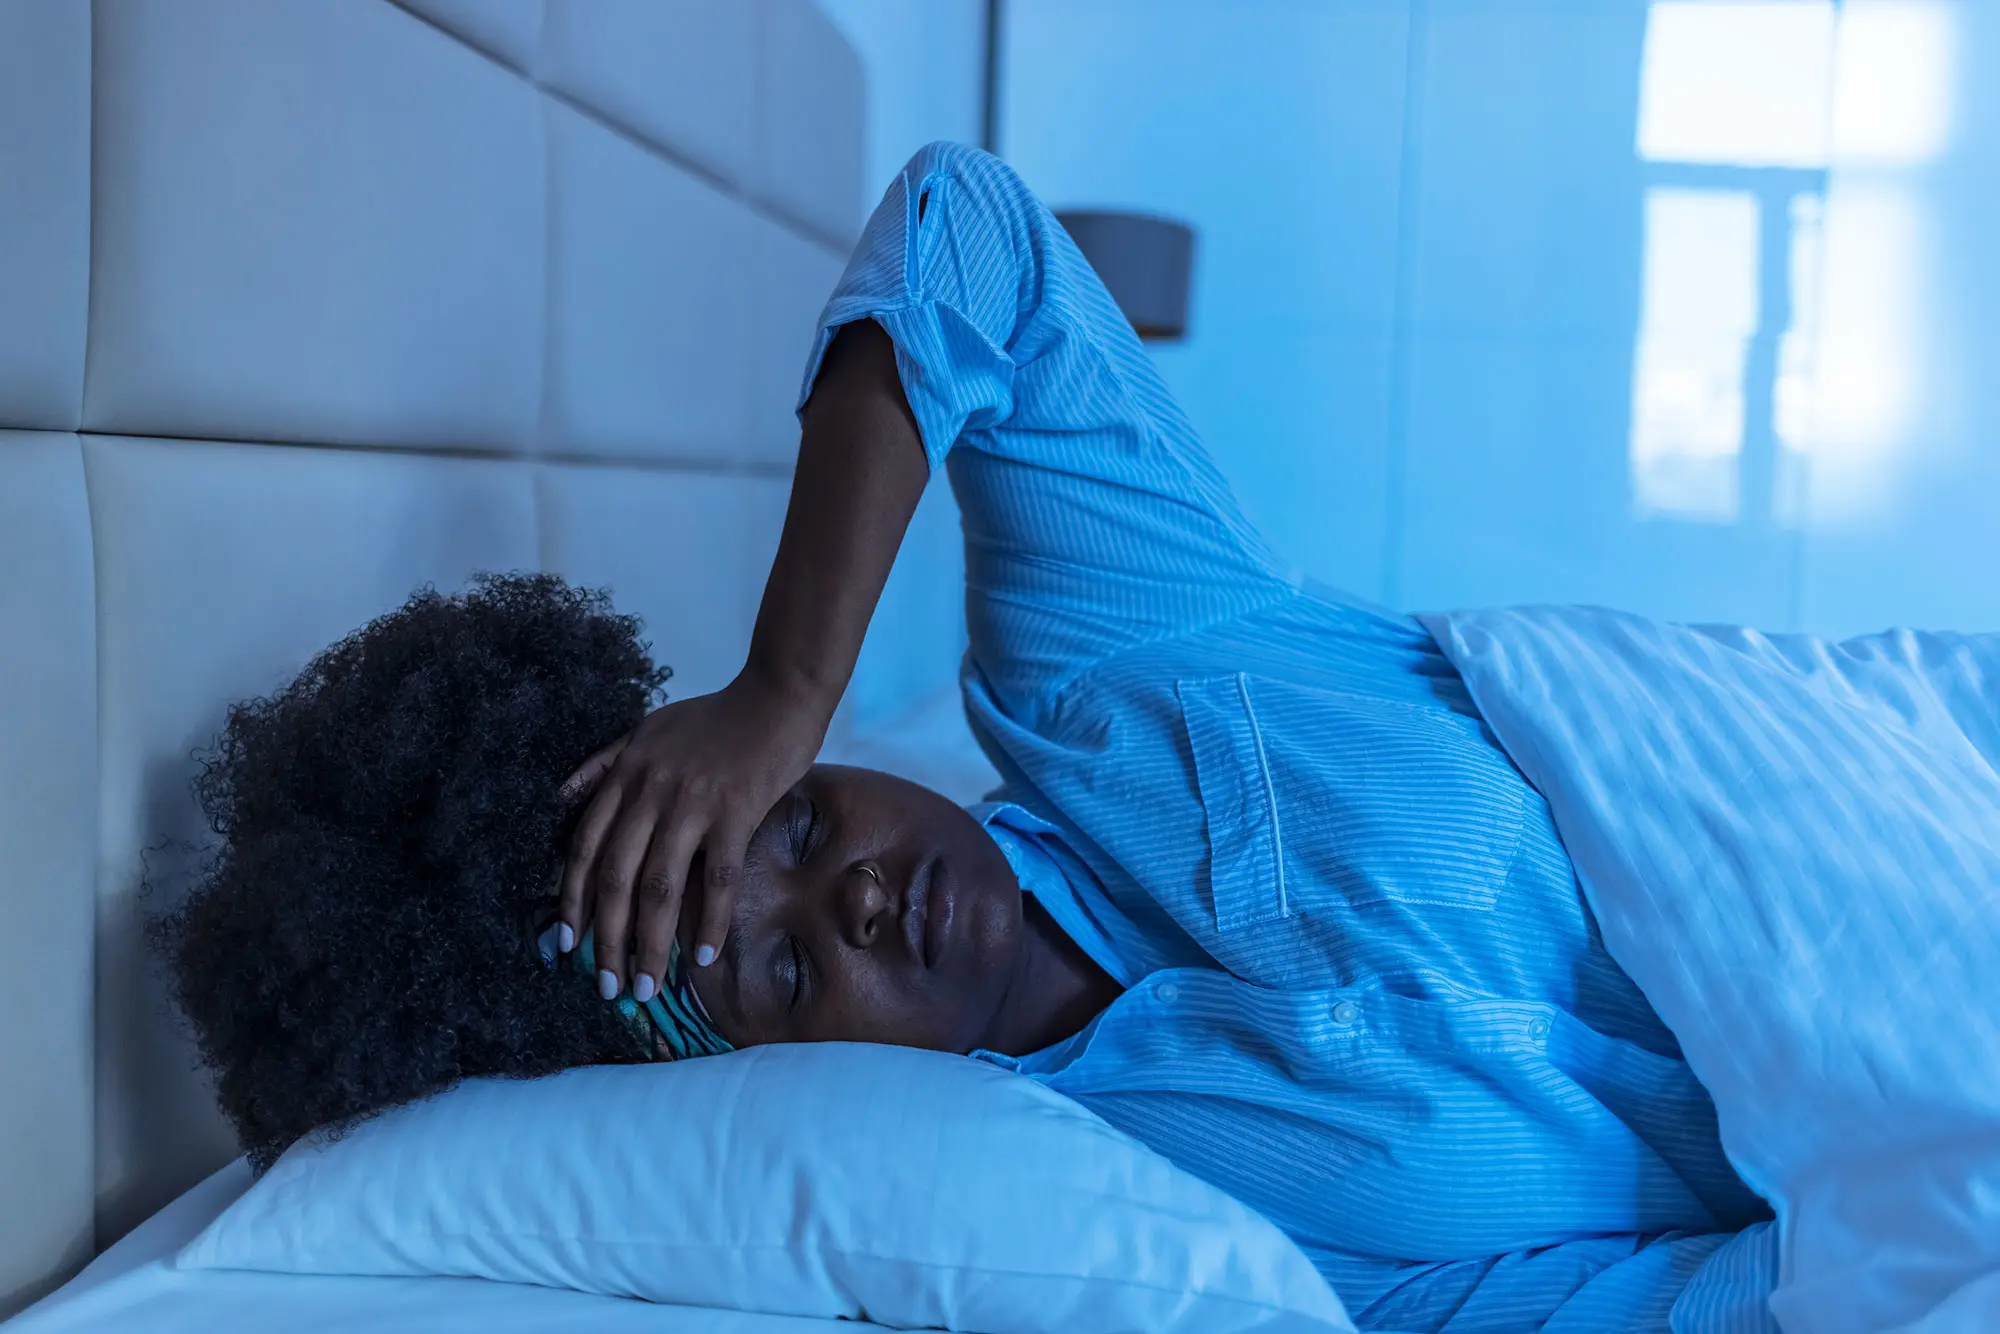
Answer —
1315 799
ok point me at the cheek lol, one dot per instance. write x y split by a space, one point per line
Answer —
875 1008
943 1011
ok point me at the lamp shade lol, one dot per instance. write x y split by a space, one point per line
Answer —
1145 261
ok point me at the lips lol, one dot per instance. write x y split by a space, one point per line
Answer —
927 913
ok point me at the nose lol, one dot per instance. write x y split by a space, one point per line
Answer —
865 907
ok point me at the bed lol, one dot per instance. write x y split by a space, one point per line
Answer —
303 306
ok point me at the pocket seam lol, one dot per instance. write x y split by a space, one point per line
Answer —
1270 793
1245 855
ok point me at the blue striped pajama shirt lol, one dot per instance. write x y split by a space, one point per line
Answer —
1364 994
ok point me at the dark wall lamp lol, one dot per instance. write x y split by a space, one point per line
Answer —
1145 260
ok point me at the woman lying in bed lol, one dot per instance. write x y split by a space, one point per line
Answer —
1261 888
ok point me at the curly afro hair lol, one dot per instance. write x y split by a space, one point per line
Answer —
363 937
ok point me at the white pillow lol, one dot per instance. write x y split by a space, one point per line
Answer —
906 1187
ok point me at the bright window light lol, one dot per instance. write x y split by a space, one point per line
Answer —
1742 84
1856 411
1700 310
1892 75
1701 262
1798 363
1796 83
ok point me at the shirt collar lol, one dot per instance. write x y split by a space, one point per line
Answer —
1080 910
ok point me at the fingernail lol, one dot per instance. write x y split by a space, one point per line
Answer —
565 938
705 955
607 984
642 988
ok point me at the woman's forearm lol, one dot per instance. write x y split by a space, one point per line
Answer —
861 471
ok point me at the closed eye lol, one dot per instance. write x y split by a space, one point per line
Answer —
800 967
809 829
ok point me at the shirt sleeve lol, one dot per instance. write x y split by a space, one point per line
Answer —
1094 519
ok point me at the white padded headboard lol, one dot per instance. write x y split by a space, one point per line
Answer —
303 304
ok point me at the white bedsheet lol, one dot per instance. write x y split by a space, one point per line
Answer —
133 1286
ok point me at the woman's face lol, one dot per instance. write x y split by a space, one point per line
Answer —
871 910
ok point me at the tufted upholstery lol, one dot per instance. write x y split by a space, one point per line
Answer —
301 306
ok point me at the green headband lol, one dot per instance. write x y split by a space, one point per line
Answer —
675 1015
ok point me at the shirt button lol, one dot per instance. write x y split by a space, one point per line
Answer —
1167 992
1539 1029
1346 1013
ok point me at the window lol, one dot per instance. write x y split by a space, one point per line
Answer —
1768 328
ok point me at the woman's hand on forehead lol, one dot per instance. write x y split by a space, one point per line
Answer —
699 775
693 781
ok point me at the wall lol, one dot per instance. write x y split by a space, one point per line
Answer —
924 62
1680 307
